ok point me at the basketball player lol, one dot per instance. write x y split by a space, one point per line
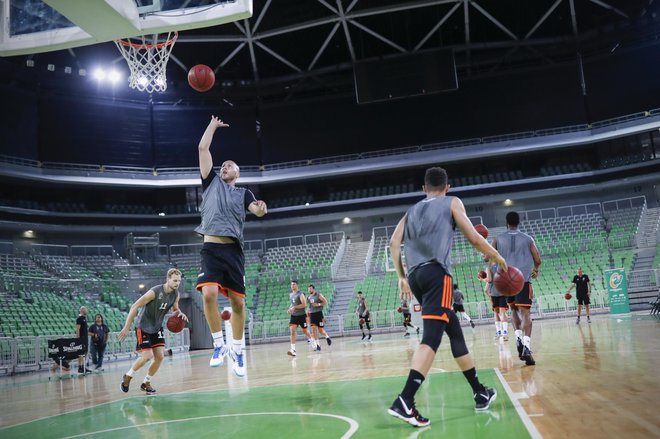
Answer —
362 312
298 317
407 317
428 230
582 286
458 305
83 334
154 305
499 303
316 303
520 251
223 264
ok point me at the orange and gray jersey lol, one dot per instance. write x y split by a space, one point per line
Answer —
296 299
151 316
313 299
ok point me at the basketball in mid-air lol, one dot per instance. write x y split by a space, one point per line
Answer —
568 296
509 283
176 323
226 314
362 321
399 309
482 274
201 77
482 230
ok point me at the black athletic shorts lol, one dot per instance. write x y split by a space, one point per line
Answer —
459 308
316 319
407 317
523 298
366 316
499 302
298 321
146 340
583 299
223 265
433 289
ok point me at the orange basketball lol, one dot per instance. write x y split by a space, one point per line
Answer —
399 309
568 296
509 283
201 77
482 274
482 230
176 323
362 321
226 314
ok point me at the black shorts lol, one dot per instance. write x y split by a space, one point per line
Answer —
583 299
523 298
366 316
316 319
499 302
407 317
146 340
223 265
298 321
84 342
433 289
459 308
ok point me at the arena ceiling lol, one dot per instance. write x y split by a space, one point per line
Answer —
293 49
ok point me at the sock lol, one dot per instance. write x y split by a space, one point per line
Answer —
415 379
130 372
218 342
467 317
519 334
505 326
498 326
471 376
237 346
293 347
147 378
526 342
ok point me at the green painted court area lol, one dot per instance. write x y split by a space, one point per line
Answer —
325 410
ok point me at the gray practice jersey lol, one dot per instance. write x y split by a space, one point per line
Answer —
151 316
429 233
491 286
458 297
312 299
515 248
405 306
296 299
362 308
223 209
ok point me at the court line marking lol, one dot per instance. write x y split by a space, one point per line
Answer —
353 424
527 421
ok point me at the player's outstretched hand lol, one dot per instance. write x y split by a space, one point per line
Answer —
182 315
218 123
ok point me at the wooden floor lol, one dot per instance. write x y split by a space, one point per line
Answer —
591 380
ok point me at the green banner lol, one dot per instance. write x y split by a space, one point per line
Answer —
617 290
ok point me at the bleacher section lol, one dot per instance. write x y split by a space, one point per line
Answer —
309 264
564 242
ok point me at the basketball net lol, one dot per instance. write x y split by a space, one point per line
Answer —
147 59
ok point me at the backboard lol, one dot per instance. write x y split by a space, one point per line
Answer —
35 26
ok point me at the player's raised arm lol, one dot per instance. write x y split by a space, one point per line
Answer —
205 158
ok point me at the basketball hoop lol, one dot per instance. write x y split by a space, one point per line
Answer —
147 59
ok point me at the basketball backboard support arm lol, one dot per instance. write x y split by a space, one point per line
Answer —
107 20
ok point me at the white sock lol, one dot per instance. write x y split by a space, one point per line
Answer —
467 317
293 347
526 342
218 341
147 378
498 326
519 334
505 326
237 346
130 372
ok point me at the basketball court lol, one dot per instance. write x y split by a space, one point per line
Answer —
345 390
